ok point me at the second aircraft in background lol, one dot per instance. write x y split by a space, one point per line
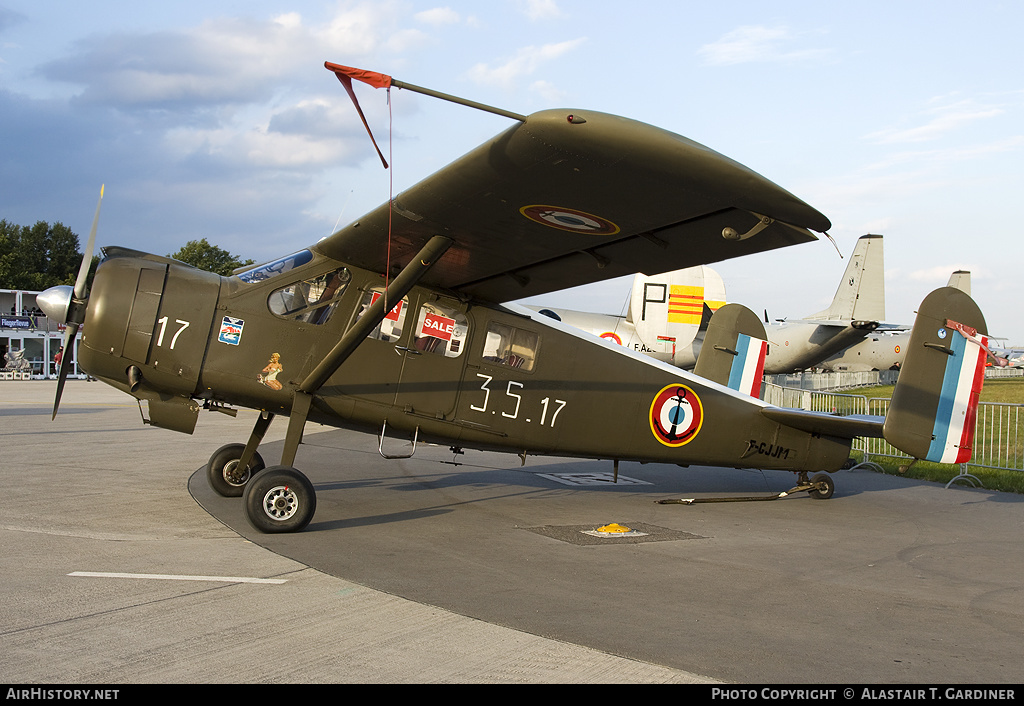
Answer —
669 313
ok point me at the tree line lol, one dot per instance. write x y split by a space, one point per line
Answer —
41 256
37 257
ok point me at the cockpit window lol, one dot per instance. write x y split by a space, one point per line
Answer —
277 267
311 300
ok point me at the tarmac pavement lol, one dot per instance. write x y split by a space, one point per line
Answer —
113 574
121 566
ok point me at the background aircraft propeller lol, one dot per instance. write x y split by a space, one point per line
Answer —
67 304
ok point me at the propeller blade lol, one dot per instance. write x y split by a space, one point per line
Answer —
75 311
65 365
83 271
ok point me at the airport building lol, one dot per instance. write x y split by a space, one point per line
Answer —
29 340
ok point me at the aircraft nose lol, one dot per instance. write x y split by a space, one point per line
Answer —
55 301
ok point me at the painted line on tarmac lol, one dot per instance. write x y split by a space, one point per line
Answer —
175 577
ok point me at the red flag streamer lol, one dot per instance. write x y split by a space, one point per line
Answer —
971 334
345 74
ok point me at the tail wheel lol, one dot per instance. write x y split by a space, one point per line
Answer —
279 499
224 474
823 488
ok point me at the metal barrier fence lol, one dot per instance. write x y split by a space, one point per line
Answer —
833 381
998 435
831 402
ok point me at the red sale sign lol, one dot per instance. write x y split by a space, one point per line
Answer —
439 326
394 313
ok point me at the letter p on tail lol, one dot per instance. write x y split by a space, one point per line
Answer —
934 406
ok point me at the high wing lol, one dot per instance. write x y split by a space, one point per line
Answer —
567 198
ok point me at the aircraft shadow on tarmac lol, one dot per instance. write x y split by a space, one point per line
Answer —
25 411
350 476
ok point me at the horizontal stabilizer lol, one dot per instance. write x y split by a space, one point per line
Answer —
848 427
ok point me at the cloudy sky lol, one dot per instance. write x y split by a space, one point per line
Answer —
216 119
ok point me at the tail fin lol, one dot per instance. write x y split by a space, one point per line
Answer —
934 405
666 309
734 350
861 292
961 279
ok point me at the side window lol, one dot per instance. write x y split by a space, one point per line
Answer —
311 300
391 327
441 330
514 347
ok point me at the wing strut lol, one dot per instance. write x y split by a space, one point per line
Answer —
425 259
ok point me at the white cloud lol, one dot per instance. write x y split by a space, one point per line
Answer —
289 19
223 61
547 91
941 120
439 16
542 10
525 62
756 44
258 148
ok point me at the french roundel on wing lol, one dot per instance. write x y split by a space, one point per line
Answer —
676 415
569 219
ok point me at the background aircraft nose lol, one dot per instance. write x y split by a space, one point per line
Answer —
54 302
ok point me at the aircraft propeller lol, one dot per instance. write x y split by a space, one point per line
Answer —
68 304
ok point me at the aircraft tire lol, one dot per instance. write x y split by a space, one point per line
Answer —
222 463
279 499
826 488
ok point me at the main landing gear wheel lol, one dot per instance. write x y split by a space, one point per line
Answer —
823 488
224 474
279 499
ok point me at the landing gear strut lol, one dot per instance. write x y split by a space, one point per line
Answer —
280 498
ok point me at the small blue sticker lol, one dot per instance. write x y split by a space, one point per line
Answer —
942 333
231 330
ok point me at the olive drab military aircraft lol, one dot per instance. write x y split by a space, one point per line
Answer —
427 345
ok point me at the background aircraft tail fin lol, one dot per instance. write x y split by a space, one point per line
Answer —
961 279
734 350
861 292
668 308
934 405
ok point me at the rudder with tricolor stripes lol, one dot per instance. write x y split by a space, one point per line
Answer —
933 410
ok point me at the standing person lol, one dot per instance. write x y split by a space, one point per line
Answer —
56 360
